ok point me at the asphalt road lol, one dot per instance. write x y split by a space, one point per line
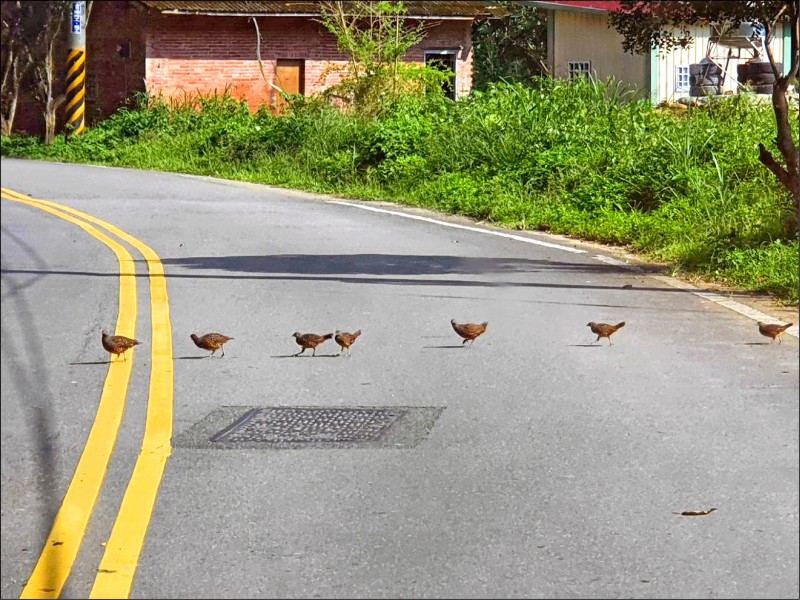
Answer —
555 468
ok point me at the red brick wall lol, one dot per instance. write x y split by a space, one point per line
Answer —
190 54
181 55
111 78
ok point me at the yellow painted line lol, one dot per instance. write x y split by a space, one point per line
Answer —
63 542
118 567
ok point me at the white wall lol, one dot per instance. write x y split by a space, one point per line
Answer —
696 52
577 36
587 37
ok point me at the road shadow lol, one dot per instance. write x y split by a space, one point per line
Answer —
98 362
191 357
756 343
442 347
305 356
376 280
30 251
585 345
381 264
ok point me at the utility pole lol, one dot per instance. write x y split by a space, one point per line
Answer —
76 69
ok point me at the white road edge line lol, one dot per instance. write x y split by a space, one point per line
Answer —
742 309
510 236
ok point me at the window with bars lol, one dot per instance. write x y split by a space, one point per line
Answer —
580 68
682 78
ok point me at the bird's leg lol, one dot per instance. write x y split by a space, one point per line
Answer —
212 353
314 351
464 342
341 349
301 351
223 351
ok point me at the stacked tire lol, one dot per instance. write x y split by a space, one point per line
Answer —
758 75
704 79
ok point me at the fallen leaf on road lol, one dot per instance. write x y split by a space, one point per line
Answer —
695 513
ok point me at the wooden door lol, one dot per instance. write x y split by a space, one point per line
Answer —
289 76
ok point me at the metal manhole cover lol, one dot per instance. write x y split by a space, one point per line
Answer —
311 427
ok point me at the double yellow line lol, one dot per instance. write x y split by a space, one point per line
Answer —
123 548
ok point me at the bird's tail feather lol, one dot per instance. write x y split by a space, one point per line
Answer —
327 336
620 325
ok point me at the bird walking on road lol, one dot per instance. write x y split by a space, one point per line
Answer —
310 340
773 330
118 344
345 340
211 341
469 331
604 330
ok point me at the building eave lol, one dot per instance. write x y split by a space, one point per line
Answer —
544 5
425 10
307 15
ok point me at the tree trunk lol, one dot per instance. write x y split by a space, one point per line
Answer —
11 79
9 111
52 102
788 175
7 120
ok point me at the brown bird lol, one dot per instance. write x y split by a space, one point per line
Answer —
118 344
604 330
773 330
310 340
211 341
345 340
469 331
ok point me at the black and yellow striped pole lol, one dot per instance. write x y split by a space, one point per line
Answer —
76 70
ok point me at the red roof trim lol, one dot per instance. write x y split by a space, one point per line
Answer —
588 6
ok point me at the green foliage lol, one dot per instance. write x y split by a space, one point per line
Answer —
375 37
643 28
511 49
586 159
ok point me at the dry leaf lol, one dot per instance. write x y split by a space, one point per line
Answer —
696 513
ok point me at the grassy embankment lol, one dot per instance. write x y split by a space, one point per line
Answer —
578 159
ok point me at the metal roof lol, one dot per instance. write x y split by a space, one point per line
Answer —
597 6
429 9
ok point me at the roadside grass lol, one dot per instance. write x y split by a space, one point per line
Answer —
584 159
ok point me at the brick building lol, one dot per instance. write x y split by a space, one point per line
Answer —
181 47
